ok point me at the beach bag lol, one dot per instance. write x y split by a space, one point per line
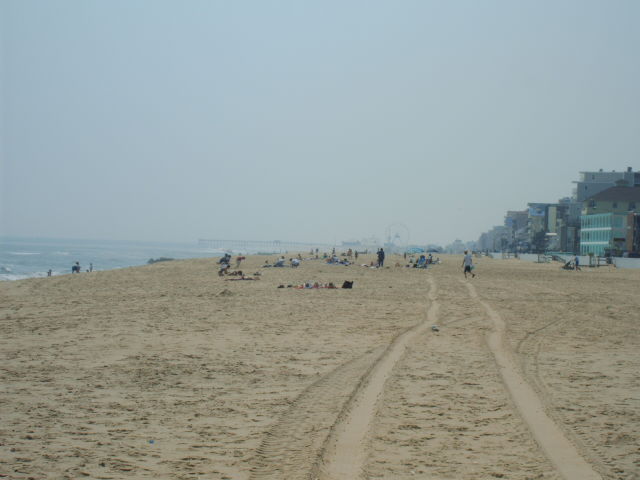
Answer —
347 284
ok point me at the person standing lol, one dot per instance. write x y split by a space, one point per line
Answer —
380 258
467 263
576 261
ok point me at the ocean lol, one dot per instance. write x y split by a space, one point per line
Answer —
31 257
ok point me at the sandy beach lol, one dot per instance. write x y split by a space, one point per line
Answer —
169 371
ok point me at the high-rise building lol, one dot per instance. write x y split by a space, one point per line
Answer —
516 223
591 183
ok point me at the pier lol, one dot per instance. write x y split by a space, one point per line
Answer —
269 246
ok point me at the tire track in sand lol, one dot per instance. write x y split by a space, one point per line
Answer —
530 347
346 449
291 448
560 451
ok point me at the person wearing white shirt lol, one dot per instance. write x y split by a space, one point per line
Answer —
467 263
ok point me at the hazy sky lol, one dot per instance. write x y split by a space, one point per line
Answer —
307 121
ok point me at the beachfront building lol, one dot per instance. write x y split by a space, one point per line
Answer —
619 200
563 220
516 223
602 234
495 240
456 247
591 183
537 226
609 222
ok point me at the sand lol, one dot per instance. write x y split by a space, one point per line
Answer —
168 371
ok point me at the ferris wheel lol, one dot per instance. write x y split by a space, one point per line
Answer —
397 236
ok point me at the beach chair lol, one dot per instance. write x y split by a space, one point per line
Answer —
422 262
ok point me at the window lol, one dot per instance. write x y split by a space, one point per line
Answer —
615 204
592 203
632 205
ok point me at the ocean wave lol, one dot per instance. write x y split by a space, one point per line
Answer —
9 277
23 253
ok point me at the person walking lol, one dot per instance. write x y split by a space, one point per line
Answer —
576 261
467 263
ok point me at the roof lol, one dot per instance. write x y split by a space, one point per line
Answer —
617 194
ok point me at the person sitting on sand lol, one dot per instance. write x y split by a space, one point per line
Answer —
280 262
295 262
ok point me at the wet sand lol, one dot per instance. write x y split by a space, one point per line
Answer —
169 371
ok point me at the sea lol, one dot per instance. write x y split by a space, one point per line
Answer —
22 258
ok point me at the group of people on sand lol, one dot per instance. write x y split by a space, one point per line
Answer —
225 269
311 285
76 268
225 266
335 260
422 262
294 262
351 253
